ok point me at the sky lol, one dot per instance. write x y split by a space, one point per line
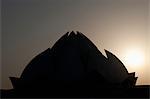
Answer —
0 47
31 26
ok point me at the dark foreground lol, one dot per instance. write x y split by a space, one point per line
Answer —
140 91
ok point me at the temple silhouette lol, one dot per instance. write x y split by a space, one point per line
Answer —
74 67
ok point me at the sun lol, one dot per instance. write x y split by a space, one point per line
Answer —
134 58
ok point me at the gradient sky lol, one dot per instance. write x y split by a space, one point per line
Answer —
31 26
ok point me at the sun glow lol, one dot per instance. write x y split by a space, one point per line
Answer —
134 58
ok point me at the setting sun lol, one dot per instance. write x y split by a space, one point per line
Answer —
134 58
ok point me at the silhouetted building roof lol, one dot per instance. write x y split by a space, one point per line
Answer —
74 58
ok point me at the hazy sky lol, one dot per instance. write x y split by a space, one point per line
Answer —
31 26
0 46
